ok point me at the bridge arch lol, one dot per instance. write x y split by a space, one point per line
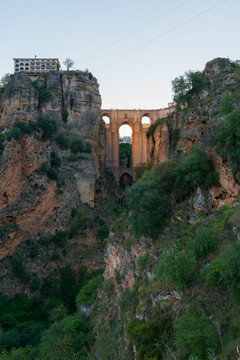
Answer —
106 118
125 179
146 119
133 118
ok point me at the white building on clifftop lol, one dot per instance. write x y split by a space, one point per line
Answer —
36 65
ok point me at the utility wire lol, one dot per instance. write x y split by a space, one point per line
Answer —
135 31
161 35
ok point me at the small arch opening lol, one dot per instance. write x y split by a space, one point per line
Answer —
125 146
146 119
106 119
125 180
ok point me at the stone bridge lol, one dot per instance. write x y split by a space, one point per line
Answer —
133 118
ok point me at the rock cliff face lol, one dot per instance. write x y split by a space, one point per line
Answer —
200 124
29 198
158 144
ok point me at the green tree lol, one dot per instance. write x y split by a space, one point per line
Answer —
88 294
149 337
27 353
204 243
163 175
176 268
226 105
186 85
48 126
224 271
148 207
62 140
64 115
194 170
77 146
195 336
5 80
68 338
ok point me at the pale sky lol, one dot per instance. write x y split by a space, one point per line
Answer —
133 47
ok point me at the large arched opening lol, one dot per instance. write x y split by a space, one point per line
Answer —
125 146
146 119
125 180
106 119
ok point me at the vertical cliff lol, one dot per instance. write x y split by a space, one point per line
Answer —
44 118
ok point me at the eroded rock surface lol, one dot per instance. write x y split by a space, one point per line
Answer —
28 198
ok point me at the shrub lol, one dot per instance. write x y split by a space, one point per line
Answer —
55 160
204 243
2 139
226 105
62 140
103 232
224 271
193 171
148 207
52 174
43 94
141 260
88 294
43 168
19 271
174 135
228 140
88 147
5 80
77 146
176 268
127 301
195 336
64 115
14 133
59 239
35 283
47 125
69 338
26 353
150 336
153 127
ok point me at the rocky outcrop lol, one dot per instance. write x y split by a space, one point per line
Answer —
119 261
29 198
158 144
200 125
